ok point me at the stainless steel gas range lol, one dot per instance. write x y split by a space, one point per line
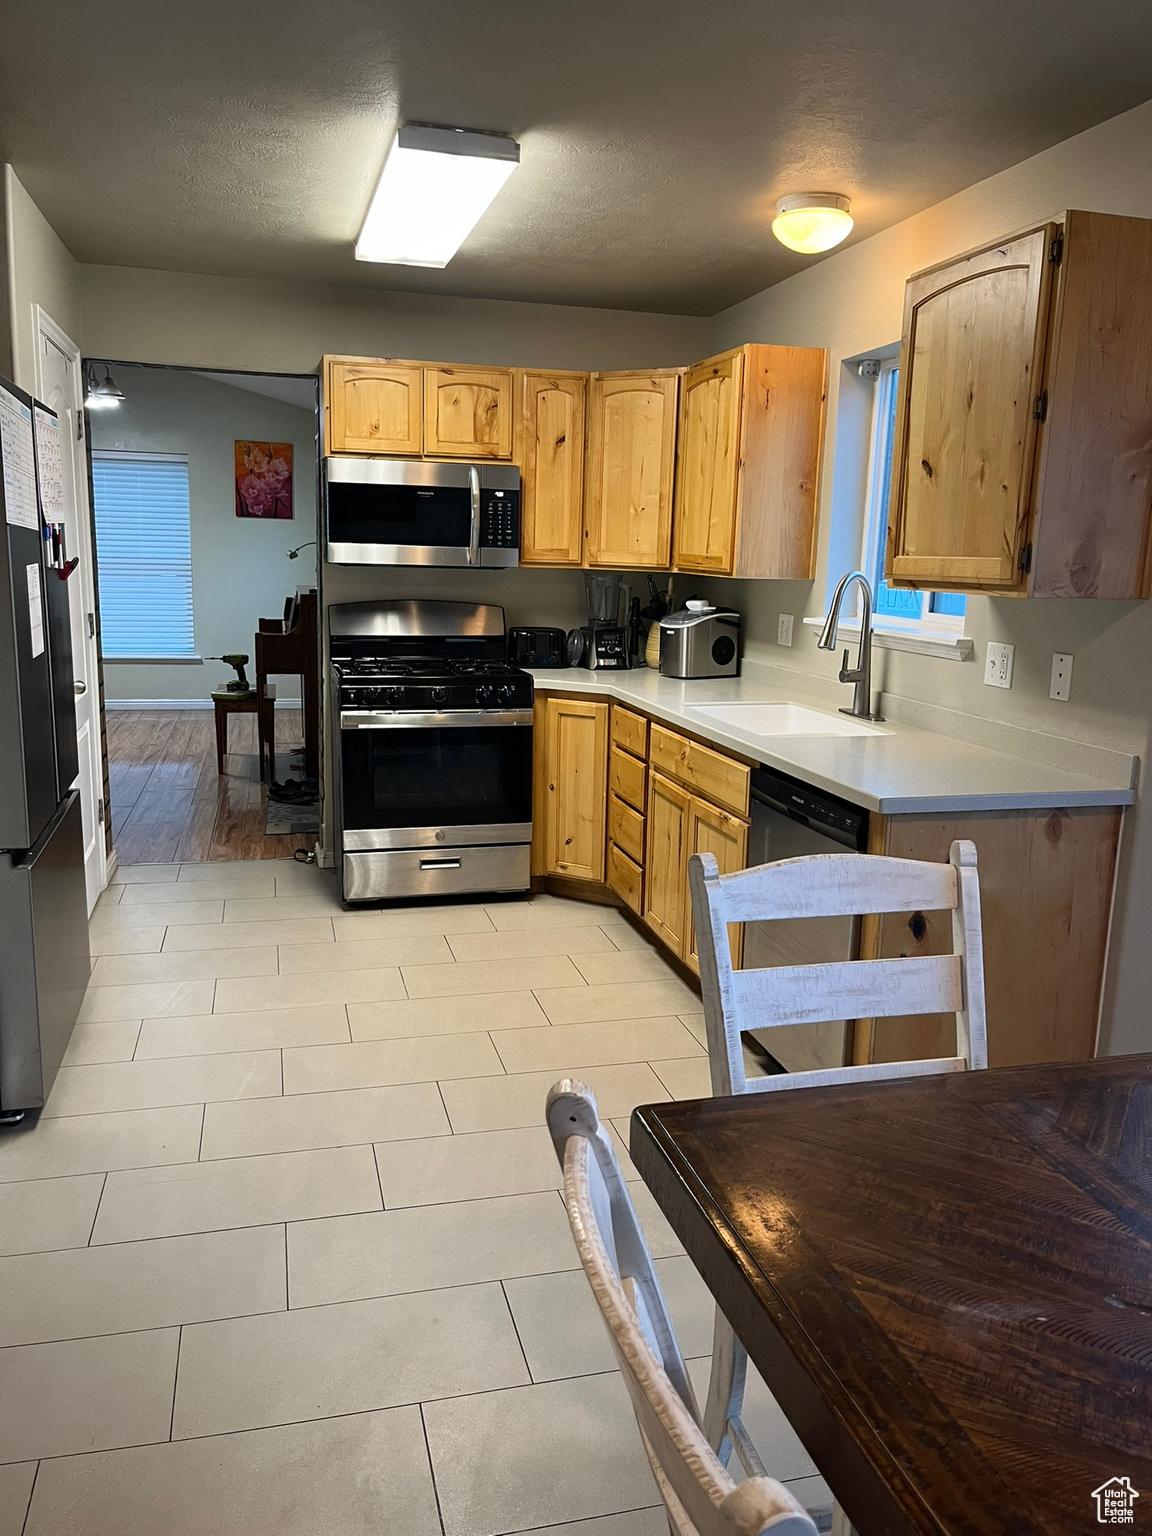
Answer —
433 753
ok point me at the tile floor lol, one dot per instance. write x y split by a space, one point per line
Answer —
286 1252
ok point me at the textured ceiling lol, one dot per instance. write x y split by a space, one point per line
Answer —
245 137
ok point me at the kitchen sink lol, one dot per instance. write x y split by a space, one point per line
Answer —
785 720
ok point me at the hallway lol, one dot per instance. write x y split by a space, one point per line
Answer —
167 803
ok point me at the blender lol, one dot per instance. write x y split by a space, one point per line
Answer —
602 643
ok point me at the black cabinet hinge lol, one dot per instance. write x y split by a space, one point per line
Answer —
100 810
1040 406
1024 559
1056 249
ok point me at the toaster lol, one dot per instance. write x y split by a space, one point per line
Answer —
530 647
700 641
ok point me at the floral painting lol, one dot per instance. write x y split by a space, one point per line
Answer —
263 479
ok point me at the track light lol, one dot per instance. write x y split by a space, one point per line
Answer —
102 395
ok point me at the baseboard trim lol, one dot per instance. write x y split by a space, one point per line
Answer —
181 703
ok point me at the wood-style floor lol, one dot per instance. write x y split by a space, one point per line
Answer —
169 805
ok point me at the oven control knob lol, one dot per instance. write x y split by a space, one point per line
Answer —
484 694
506 694
439 695
391 696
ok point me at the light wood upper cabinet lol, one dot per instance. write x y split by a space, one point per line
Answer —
666 860
549 441
575 787
631 467
748 462
971 360
373 406
1022 460
468 413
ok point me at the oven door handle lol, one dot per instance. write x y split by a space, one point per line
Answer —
474 495
453 719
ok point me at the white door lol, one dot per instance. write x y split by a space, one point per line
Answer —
59 384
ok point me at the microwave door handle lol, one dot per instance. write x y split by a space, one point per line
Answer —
474 538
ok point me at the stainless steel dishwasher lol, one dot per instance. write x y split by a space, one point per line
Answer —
789 820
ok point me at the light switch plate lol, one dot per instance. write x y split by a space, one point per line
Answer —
1061 676
784 629
998 667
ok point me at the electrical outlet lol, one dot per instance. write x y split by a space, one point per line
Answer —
784 629
998 667
1061 676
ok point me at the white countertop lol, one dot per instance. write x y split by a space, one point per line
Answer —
901 771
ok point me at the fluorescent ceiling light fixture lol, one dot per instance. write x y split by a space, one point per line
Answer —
812 221
102 396
435 185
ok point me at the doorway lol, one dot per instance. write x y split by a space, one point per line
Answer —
59 384
205 497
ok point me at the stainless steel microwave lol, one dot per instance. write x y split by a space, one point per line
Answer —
417 512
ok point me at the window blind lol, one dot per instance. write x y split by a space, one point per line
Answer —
144 554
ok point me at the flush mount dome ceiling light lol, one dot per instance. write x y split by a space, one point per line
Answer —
812 221
435 185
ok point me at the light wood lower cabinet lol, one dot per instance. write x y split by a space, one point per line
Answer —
711 830
575 787
666 860
1046 881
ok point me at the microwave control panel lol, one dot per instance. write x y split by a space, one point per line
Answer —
499 519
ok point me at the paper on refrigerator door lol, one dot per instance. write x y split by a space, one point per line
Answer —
35 610
19 461
49 465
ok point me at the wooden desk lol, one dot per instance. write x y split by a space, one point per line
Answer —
947 1283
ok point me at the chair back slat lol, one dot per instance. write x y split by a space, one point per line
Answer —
873 1072
696 1487
846 989
836 885
827 885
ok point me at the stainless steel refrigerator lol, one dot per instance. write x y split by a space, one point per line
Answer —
44 961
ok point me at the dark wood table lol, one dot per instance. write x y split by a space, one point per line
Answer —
947 1282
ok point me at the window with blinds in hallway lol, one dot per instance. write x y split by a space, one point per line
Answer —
144 555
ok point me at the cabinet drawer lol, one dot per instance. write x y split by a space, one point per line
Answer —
625 877
626 828
629 731
720 778
626 778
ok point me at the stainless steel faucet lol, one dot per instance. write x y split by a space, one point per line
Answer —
861 674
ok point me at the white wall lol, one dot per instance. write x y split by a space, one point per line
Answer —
240 569
282 327
852 303
38 270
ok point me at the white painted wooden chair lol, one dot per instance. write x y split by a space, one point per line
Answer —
826 885
699 1495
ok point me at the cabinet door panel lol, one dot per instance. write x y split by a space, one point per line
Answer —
971 360
631 462
550 450
625 877
711 830
374 407
627 776
708 463
576 789
629 731
666 861
468 413
626 828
